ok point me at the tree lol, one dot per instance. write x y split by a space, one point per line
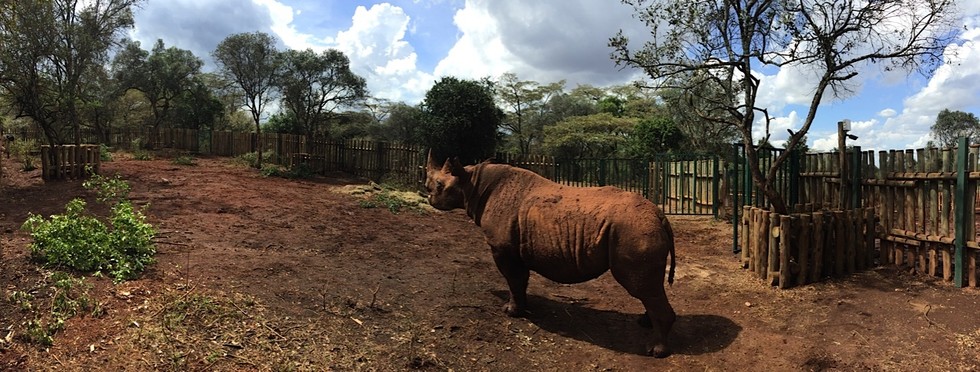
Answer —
400 124
251 61
163 75
460 118
518 98
725 44
57 44
313 86
594 136
651 136
951 125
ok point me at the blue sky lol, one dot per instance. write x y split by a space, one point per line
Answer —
403 46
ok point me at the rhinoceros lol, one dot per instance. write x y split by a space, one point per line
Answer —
566 234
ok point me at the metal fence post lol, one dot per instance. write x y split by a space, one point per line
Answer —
962 170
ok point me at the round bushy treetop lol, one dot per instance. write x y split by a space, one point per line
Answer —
460 119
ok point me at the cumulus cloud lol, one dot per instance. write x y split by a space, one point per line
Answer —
542 41
197 25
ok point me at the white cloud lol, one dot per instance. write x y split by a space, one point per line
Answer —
478 51
887 113
376 45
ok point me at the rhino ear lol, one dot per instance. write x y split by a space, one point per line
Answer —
431 163
456 168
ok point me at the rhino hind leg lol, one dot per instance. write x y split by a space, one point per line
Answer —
516 274
647 286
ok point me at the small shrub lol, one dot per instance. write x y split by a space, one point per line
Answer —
185 160
104 153
137 146
251 158
23 150
82 242
298 171
69 297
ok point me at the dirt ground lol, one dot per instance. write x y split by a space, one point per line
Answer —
257 273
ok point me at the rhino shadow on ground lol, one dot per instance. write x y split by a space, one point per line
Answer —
693 334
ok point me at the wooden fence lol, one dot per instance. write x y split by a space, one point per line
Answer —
924 202
68 161
802 248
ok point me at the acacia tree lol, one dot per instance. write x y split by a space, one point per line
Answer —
725 44
314 86
51 46
252 62
163 75
950 125
520 99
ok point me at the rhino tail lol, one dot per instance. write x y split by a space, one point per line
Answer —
670 242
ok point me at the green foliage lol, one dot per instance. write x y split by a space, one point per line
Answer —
314 86
594 136
108 190
137 146
68 296
297 171
104 153
250 159
950 125
654 136
460 118
22 150
185 160
400 125
82 242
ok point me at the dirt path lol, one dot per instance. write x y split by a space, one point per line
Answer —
261 273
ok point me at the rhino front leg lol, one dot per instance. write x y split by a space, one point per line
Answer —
516 274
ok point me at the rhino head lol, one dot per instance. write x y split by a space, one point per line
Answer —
446 184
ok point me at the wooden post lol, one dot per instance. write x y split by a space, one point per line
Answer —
841 242
819 242
785 238
962 210
746 236
803 257
842 167
771 273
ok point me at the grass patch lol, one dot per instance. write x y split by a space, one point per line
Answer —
385 196
23 150
299 171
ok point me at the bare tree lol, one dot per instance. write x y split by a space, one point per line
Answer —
723 45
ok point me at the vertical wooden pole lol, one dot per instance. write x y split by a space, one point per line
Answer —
819 242
785 240
803 257
962 210
772 267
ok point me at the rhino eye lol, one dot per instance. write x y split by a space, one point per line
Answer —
439 186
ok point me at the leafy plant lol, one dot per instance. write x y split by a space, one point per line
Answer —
82 242
23 150
185 160
251 158
297 171
69 297
139 152
104 153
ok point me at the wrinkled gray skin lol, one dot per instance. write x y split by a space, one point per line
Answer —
566 234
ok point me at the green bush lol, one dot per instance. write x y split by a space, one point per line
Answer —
82 242
139 150
22 150
104 153
251 158
185 160
298 171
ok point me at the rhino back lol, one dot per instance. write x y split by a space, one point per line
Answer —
567 234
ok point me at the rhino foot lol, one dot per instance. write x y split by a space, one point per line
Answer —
659 351
514 311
